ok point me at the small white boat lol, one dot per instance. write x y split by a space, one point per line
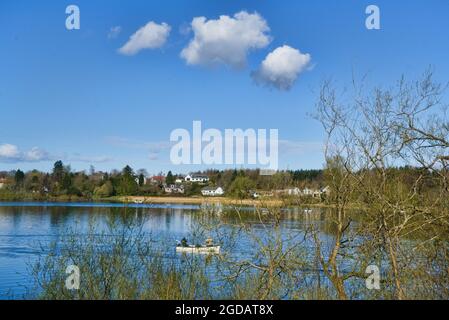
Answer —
200 249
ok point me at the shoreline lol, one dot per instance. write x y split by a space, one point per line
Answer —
198 200
217 200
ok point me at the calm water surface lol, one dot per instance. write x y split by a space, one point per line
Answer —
27 229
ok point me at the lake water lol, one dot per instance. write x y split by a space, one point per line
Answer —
28 229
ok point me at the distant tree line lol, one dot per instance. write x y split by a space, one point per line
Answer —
62 182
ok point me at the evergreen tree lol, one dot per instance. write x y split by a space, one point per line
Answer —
19 177
170 179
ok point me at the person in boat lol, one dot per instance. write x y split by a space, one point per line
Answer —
184 242
209 242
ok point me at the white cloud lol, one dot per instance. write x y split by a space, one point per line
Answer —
153 146
89 159
11 153
36 154
150 36
114 32
226 40
299 147
282 67
185 29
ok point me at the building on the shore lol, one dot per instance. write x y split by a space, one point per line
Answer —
200 178
325 191
173 188
293 191
308 192
305 192
179 180
157 180
137 179
212 191
254 194
3 182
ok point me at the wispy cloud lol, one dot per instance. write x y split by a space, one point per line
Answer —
89 159
114 32
12 154
152 147
299 147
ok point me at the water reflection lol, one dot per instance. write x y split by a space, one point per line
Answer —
24 227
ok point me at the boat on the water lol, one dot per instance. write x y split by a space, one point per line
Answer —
208 248
199 249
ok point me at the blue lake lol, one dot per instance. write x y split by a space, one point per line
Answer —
28 229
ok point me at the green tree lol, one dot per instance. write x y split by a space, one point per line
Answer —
141 180
127 185
170 179
58 171
106 190
19 177
241 187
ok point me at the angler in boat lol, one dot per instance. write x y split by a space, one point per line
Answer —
208 247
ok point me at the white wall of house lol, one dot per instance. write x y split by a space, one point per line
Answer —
213 192
193 178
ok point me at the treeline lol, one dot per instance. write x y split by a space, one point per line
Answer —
64 183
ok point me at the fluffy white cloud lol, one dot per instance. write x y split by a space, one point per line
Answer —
9 151
282 67
114 32
226 40
150 36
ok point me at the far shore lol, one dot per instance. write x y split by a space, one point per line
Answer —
215 200
260 202
200 200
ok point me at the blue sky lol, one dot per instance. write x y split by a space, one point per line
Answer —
71 94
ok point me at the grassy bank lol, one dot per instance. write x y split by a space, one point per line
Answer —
263 202
267 202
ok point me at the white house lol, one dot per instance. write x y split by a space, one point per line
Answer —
174 189
308 192
326 190
254 194
212 191
293 191
196 178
